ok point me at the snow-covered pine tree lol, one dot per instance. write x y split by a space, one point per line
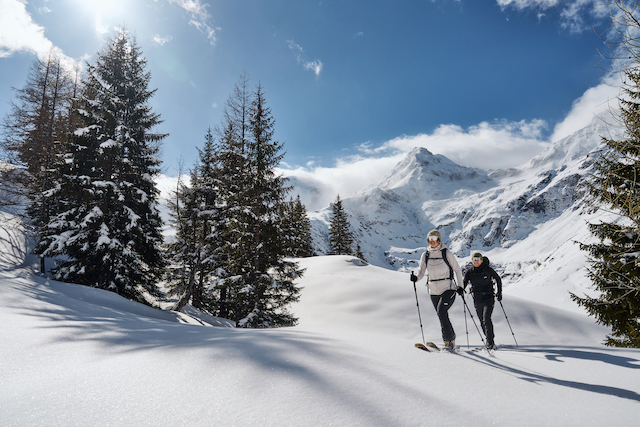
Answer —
615 256
340 236
195 252
261 279
297 229
233 175
32 133
109 234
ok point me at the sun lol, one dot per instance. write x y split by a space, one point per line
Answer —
104 13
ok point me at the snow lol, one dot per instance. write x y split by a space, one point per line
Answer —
74 355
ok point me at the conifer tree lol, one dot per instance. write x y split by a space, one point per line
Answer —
269 285
109 232
340 236
297 229
615 256
233 176
195 252
259 280
32 135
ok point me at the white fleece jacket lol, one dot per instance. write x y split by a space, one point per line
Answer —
438 271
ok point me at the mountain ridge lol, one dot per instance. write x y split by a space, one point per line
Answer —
494 212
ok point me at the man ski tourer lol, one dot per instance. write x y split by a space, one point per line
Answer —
442 268
482 278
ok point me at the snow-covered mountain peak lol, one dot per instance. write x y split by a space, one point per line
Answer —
495 213
426 175
572 147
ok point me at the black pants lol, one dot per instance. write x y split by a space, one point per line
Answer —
442 303
484 308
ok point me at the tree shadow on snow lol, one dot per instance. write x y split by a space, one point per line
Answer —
14 249
80 314
556 354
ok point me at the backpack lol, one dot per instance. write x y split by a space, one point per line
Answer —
446 261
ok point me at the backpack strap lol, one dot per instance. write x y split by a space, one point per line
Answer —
446 261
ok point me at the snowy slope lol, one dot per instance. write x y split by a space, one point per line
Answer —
74 355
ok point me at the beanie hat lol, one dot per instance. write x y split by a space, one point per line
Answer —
477 255
434 232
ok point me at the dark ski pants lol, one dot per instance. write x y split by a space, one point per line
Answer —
442 303
484 308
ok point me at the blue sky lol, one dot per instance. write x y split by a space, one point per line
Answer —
353 84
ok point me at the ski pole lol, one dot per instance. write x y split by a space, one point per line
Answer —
466 328
474 321
505 316
418 305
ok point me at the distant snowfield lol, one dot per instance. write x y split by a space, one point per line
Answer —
73 355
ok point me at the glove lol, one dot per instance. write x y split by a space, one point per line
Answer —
414 278
499 297
460 291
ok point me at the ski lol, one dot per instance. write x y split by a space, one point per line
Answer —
421 347
432 346
428 346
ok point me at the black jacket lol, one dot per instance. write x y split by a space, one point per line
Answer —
482 279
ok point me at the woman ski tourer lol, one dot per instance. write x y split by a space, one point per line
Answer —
442 268
482 278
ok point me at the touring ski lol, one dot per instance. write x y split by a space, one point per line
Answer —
433 346
429 346
421 347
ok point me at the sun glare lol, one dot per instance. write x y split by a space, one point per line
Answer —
105 14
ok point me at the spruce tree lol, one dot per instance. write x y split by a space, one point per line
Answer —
233 176
269 285
615 256
195 252
259 280
109 231
297 229
340 236
33 132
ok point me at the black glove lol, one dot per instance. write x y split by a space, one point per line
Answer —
460 291
499 297
414 278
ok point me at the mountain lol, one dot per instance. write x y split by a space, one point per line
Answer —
518 217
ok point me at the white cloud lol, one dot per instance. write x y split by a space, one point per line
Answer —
495 145
595 102
200 17
349 176
19 33
571 12
315 65
162 40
